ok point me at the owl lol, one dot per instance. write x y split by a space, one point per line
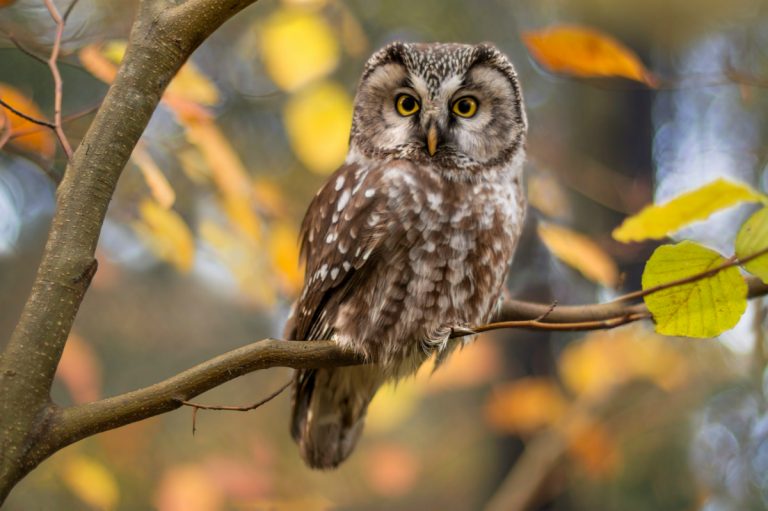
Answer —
411 238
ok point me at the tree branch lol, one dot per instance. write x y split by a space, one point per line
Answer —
163 36
74 423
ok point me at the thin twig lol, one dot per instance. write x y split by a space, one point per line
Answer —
25 116
197 406
25 50
57 83
536 324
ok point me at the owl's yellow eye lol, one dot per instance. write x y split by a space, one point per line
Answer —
406 105
465 107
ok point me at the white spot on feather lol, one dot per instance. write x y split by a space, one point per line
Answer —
339 183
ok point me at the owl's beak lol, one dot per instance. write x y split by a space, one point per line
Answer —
432 139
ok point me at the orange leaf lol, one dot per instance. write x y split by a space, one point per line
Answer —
284 252
80 370
601 361
93 60
596 450
188 488
6 3
391 469
581 253
161 189
525 405
585 52
478 363
31 137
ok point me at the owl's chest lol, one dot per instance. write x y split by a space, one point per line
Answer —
455 246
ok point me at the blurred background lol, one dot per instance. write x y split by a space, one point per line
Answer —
198 256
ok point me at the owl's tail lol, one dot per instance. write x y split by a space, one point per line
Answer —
329 407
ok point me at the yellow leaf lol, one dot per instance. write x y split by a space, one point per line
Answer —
525 405
658 221
703 308
192 85
585 52
317 120
393 404
580 252
166 234
161 189
284 254
752 238
27 136
297 47
91 482
595 365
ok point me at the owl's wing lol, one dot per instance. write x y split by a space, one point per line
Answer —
342 229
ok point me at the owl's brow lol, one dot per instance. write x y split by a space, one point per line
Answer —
406 83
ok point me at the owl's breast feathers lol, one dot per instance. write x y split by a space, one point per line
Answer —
395 255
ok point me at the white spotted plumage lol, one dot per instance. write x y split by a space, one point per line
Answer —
403 244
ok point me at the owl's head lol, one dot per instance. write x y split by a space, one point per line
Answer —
456 107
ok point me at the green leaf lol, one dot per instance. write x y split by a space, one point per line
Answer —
658 221
752 238
704 308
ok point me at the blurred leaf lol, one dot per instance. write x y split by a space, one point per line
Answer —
658 221
393 404
166 234
317 120
525 405
391 469
188 488
284 254
6 3
585 52
596 450
601 361
268 197
352 33
546 195
580 252
91 482
94 60
298 46
704 308
752 238
27 136
80 370
192 85
189 84
476 364
318 503
242 257
161 189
